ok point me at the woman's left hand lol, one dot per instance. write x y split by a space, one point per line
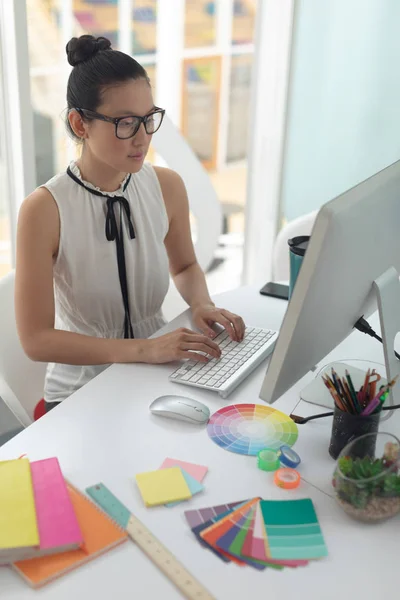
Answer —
206 315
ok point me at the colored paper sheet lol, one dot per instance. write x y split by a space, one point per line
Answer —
213 533
292 529
199 516
162 486
196 471
255 544
233 547
194 486
221 553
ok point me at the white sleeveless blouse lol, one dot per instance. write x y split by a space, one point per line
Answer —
88 298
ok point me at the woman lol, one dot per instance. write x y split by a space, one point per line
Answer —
95 244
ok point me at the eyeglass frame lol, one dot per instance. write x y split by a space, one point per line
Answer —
116 120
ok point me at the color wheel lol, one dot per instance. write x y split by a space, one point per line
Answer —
248 428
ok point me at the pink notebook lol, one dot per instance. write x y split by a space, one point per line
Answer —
58 526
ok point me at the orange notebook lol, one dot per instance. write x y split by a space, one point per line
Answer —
100 533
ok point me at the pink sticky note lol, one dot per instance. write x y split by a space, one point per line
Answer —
196 471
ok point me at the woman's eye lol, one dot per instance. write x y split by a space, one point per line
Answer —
127 123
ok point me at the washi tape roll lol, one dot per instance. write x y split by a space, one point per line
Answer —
287 478
267 460
288 457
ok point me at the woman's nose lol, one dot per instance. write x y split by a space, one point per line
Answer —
141 135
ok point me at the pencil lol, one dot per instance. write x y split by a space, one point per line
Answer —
349 397
374 403
379 399
353 392
342 392
364 397
373 384
335 381
334 394
345 396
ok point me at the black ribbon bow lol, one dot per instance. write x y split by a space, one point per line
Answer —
112 233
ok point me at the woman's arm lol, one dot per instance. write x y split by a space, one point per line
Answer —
37 246
185 270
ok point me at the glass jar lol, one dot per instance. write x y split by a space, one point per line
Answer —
366 479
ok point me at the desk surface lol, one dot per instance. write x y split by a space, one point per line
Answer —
106 433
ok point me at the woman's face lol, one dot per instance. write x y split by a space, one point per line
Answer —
124 155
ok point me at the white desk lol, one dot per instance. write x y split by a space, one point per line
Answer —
106 433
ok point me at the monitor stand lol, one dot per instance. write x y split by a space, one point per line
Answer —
387 290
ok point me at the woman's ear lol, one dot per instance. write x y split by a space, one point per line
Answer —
78 125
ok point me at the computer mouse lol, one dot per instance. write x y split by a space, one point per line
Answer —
180 408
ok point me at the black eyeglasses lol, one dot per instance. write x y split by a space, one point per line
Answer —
127 127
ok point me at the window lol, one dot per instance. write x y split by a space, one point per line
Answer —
98 18
239 102
5 228
200 107
48 74
243 21
200 23
205 82
144 30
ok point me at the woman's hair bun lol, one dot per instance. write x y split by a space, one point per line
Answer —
85 47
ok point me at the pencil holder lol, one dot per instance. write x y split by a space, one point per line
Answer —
347 427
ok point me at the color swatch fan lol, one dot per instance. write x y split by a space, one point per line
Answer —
248 428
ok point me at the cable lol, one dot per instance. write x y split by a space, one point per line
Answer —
301 420
363 326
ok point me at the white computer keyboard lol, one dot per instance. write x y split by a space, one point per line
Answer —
237 361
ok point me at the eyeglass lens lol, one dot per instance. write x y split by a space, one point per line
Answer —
128 126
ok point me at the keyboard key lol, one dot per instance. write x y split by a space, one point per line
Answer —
195 378
234 355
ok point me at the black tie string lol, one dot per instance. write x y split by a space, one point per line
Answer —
112 233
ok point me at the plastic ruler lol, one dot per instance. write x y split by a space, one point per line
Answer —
159 554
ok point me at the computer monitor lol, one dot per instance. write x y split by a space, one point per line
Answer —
355 239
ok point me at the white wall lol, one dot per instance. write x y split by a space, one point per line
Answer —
344 100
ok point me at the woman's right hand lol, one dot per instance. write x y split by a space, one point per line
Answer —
180 344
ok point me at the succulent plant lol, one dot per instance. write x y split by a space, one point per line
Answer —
345 465
364 468
391 485
357 480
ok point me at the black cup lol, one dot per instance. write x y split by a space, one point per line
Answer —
347 427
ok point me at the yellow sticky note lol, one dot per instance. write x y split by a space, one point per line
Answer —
163 486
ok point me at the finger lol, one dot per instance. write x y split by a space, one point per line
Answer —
193 356
186 330
206 329
237 323
222 320
202 339
199 347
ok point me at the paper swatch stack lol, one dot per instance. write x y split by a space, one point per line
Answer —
260 533
47 527
173 482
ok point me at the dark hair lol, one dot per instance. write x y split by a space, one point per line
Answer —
95 66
